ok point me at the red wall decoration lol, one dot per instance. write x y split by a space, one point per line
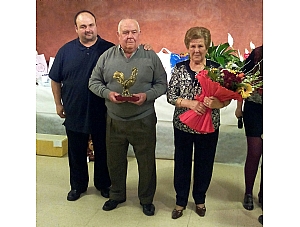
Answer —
163 22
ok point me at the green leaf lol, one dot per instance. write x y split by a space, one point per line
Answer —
212 75
223 54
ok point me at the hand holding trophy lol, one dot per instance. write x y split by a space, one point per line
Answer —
126 96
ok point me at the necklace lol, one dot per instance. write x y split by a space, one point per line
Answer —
197 67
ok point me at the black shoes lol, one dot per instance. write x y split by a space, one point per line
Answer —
260 219
74 195
148 209
248 202
105 192
111 204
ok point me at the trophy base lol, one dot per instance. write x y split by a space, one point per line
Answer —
127 98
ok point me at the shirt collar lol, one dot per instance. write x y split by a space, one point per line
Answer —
82 47
121 49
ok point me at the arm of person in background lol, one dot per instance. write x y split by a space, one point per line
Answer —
238 110
56 90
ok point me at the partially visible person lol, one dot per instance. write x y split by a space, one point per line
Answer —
132 122
83 111
252 113
182 89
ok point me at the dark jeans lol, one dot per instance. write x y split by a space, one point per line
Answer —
77 154
204 154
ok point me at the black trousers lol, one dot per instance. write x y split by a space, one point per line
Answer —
77 154
204 146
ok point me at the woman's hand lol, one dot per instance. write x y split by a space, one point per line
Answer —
213 103
197 106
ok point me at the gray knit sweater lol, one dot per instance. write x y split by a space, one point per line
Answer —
151 79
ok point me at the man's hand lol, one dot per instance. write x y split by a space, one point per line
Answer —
112 97
142 98
147 46
60 111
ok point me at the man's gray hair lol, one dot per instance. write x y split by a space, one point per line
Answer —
121 21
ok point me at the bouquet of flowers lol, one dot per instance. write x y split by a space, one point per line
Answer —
225 83
234 79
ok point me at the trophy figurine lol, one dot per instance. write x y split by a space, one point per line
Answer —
126 96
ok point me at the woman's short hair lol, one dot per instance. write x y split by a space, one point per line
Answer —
197 33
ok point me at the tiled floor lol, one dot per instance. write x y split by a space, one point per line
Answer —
224 206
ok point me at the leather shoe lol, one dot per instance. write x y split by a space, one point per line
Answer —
105 192
111 204
200 211
177 213
74 195
148 209
260 219
248 202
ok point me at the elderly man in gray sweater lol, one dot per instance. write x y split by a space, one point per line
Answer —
130 120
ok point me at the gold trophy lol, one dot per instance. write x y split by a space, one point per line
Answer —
126 96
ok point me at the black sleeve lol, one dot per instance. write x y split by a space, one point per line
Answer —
249 63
